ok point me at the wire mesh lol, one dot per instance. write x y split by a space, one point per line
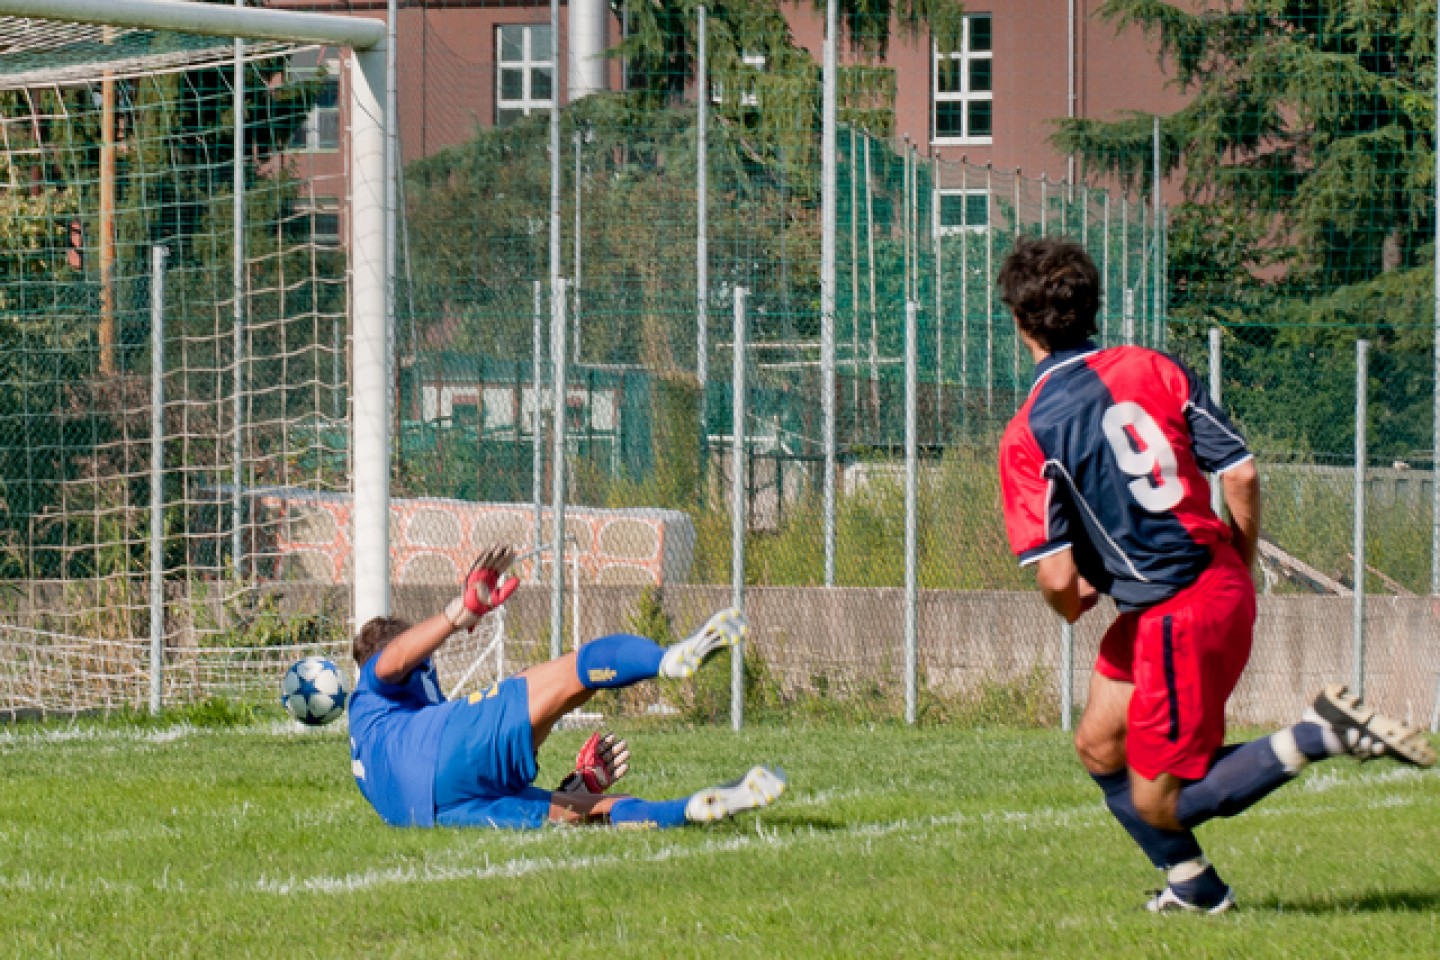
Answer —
1298 217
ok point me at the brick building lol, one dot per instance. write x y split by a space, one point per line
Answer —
1022 65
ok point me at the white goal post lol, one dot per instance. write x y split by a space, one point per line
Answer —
372 342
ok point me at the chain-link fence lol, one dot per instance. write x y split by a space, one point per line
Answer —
1299 221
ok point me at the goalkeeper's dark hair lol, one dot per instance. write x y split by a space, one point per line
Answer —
1053 289
375 636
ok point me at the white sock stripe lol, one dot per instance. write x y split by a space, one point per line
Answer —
1283 743
1188 870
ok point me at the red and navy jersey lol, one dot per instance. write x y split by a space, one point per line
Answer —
1107 458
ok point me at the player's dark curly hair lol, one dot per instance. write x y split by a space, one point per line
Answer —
1053 288
374 636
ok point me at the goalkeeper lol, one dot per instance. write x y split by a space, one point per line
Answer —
423 761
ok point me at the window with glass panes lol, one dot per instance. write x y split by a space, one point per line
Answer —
964 211
524 72
321 132
962 99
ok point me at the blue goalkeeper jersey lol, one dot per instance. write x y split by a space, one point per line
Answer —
395 743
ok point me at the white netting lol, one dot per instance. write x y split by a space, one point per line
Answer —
45 672
116 142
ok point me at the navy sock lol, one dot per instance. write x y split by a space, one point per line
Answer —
617 661
1241 777
1165 848
654 814
1310 740
1204 890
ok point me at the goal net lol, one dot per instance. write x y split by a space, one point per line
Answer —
114 142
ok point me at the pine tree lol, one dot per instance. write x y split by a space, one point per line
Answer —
1306 149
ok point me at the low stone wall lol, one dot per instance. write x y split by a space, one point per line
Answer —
849 641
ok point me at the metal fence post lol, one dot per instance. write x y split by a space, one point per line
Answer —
1362 352
157 474
912 448
557 469
237 281
702 232
537 439
1217 497
827 275
739 502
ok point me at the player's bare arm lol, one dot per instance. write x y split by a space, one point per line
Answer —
1241 488
1067 593
482 593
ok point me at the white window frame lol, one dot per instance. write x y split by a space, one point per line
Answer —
963 58
530 61
955 229
750 97
308 140
324 206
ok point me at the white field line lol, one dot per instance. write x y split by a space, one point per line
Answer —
766 839
170 734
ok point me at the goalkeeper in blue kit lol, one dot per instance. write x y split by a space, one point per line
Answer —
424 761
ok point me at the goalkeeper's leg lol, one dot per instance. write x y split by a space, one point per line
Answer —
620 660
758 788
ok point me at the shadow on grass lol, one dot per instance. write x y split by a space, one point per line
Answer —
1387 901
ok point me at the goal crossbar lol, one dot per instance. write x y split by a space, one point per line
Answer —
371 271
208 19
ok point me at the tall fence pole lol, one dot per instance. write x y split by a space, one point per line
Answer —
237 286
870 263
1107 309
965 282
557 469
854 280
989 288
702 226
739 501
1362 354
1217 497
1435 391
912 448
157 474
939 273
557 310
827 278
537 437
1157 263
579 252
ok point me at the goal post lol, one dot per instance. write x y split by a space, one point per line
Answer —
371 326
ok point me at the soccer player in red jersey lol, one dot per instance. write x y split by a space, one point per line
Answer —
1103 480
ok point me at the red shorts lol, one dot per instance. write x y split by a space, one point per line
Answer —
1184 656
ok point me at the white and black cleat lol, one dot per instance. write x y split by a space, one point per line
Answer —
1367 733
1168 901
758 788
722 631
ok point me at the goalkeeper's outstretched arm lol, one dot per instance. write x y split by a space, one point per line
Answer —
412 648
481 593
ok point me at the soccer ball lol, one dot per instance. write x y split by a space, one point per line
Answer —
313 691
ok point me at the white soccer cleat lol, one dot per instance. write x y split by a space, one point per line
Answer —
1168 901
726 629
758 788
1367 733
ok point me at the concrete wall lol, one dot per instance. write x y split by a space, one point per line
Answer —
852 638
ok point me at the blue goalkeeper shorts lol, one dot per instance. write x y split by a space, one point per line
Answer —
487 763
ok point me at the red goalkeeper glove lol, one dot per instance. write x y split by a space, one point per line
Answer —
484 589
600 762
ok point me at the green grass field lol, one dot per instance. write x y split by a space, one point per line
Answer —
183 842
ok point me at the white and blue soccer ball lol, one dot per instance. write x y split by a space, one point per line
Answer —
314 691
